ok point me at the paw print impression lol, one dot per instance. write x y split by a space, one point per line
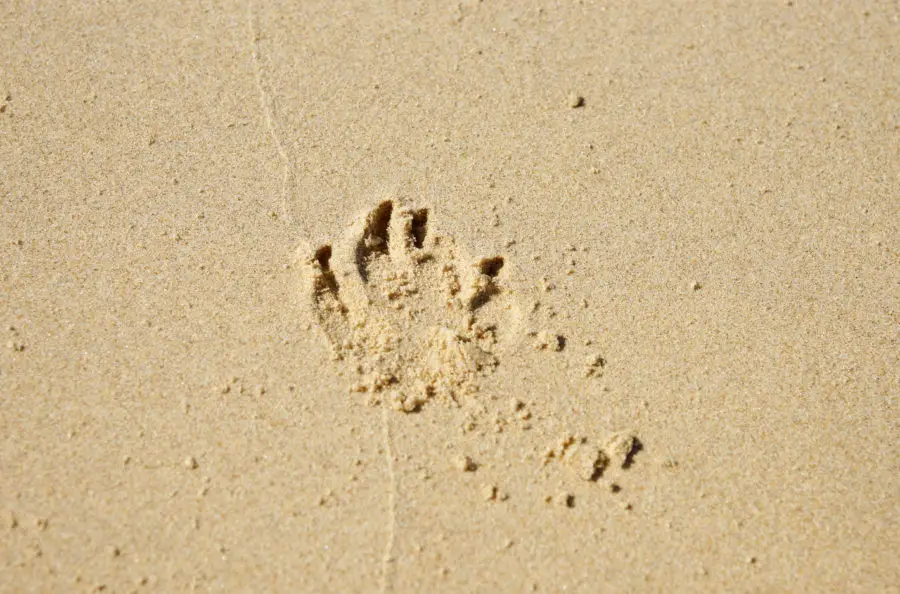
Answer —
415 318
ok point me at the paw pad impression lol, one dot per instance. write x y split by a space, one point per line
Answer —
395 300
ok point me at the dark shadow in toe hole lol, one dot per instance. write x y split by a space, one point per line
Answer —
419 227
375 237
323 257
491 266
629 457
325 282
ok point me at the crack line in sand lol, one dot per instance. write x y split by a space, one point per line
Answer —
388 557
266 103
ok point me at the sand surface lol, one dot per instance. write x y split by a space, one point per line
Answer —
449 297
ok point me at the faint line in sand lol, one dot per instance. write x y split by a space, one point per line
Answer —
388 558
268 110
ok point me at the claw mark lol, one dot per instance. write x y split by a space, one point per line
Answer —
324 283
491 266
323 256
485 287
388 558
374 239
419 227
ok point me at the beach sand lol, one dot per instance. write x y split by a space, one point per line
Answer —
484 296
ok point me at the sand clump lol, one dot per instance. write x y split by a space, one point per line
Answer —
574 100
464 464
493 493
587 459
545 340
594 365
621 446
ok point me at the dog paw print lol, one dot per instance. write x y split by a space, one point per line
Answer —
415 318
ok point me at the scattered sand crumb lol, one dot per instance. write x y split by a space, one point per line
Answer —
586 459
589 462
545 341
464 463
564 499
594 366
519 409
574 100
620 447
400 401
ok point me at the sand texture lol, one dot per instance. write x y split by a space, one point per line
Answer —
477 296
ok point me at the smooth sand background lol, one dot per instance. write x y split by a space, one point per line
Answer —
160 164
